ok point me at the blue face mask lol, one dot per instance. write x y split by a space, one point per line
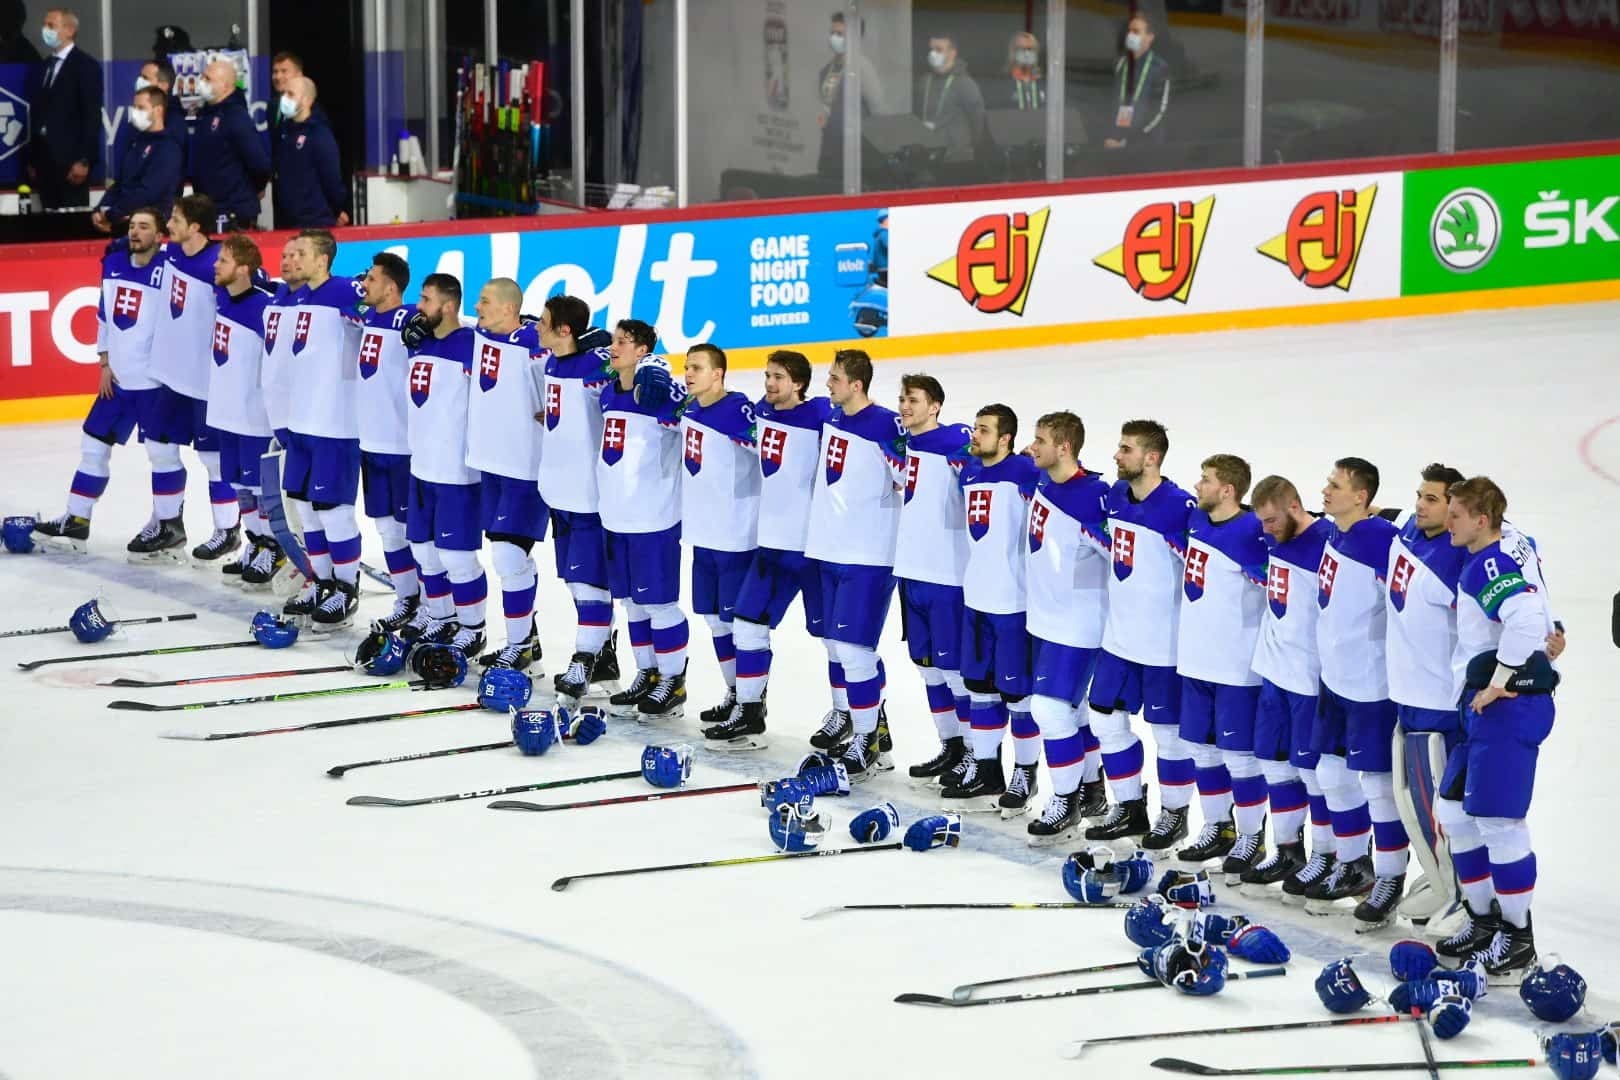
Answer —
50 37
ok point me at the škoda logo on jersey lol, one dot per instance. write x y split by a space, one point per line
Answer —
1322 242
994 264
1158 257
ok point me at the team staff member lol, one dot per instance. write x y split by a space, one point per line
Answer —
229 162
151 168
309 191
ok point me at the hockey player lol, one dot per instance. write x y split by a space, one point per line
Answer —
321 471
576 371
1505 680
130 308
1421 636
1287 661
637 476
930 553
1068 604
1137 668
441 518
1222 601
385 448
854 517
719 506
503 443
789 436
1355 720
262 558
181 356
997 486
235 395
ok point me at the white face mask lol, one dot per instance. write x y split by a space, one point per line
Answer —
140 119
288 106
837 43
205 91
142 82
1133 42
936 59
50 37
1025 57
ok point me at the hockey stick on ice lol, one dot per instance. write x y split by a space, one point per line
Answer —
115 622
1076 1048
172 650
965 991
563 882
618 800
1194 1068
1082 991
319 725
1041 905
378 800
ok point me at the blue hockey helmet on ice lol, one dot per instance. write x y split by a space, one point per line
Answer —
18 534
274 632
797 826
381 653
504 689
88 624
535 730
1554 991
440 666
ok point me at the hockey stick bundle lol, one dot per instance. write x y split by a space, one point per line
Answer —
115 622
171 650
1041 905
378 800
618 800
318 725
1082 991
563 882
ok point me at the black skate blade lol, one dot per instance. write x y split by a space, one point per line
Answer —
925 999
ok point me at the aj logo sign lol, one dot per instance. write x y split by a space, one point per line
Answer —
1158 256
994 264
1322 242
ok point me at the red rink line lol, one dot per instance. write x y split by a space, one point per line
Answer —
1584 448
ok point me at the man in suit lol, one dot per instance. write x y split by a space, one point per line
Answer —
65 114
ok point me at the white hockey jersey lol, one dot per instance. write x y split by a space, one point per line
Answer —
320 369
1350 591
638 469
1223 599
573 436
1148 547
235 399
932 543
1421 626
508 391
721 482
274 378
182 342
789 454
131 304
437 384
1286 652
997 500
383 365
1502 605
855 510
1067 567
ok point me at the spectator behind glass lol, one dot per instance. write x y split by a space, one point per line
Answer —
153 163
1142 89
830 161
949 100
229 162
309 191
284 68
1023 88
64 114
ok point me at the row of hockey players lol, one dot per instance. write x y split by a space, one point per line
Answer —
821 497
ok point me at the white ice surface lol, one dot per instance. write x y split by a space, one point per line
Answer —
199 910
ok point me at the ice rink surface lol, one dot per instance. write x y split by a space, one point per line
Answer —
195 909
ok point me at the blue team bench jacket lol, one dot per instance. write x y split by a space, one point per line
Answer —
229 162
149 172
309 190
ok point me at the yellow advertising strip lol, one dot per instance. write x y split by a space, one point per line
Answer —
39 410
74 406
1028 337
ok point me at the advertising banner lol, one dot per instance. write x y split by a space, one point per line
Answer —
1134 254
1503 226
48 323
739 282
